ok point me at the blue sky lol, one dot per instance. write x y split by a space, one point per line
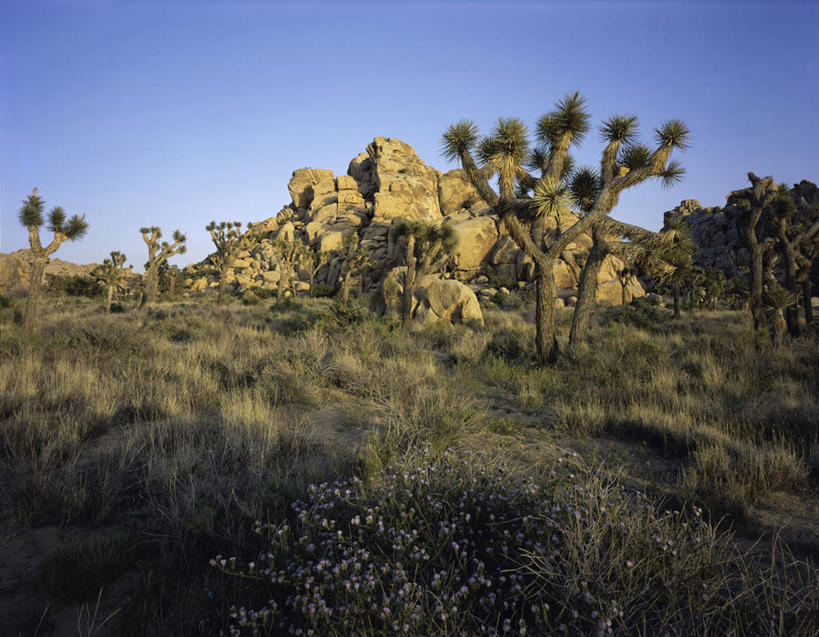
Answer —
176 113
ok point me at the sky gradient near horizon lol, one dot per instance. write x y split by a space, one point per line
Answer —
177 113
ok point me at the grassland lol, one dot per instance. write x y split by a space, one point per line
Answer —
132 455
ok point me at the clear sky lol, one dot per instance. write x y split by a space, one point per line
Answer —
175 113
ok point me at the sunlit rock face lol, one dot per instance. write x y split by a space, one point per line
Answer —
388 182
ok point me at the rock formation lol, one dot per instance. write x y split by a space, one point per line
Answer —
389 182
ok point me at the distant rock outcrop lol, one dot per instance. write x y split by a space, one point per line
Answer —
390 182
14 269
718 231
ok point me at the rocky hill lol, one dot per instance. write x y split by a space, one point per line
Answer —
390 182
14 269
718 231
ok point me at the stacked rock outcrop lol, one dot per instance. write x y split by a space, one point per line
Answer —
390 182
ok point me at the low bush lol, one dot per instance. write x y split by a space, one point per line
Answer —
461 546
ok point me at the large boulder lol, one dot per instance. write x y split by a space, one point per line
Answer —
401 184
302 182
14 270
456 192
433 300
476 238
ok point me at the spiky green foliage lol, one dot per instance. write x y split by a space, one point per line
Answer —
506 149
584 187
549 198
569 118
441 240
56 219
674 133
619 128
635 156
459 138
673 174
777 298
31 212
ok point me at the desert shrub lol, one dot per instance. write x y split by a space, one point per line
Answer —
344 314
513 300
117 308
251 298
77 570
639 313
5 301
509 346
74 285
498 280
461 546
321 290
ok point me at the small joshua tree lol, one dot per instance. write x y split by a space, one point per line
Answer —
355 260
312 262
287 255
777 300
425 246
110 274
674 264
229 241
31 217
626 275
158 253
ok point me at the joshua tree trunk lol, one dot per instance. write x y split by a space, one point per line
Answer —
35 285
222 284
623 298
676 288
545 338
587 290
345 286
807 300
691 297
778 327
755 299
149 294
282 285
109 297
409 283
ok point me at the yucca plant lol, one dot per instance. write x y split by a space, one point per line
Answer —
110 273
625 275
673 263
158 253
354 260
777 300
64 229
797 235
505 152
229 240
425 246
287 255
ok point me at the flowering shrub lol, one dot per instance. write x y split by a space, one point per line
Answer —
454 547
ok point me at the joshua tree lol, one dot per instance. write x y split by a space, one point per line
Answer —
354 260
715 284
797 237
626 275
624 165
753 202
228 238
312 262
674 265
777 300
110 274
425 245
31 217
172 276
287 255
158 253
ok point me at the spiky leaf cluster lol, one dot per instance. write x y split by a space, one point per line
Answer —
568 119
459 138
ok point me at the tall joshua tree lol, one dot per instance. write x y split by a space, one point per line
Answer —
31 217
229 241
158 253
753 202
624 164
110 274
354 259
797 237
425 246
